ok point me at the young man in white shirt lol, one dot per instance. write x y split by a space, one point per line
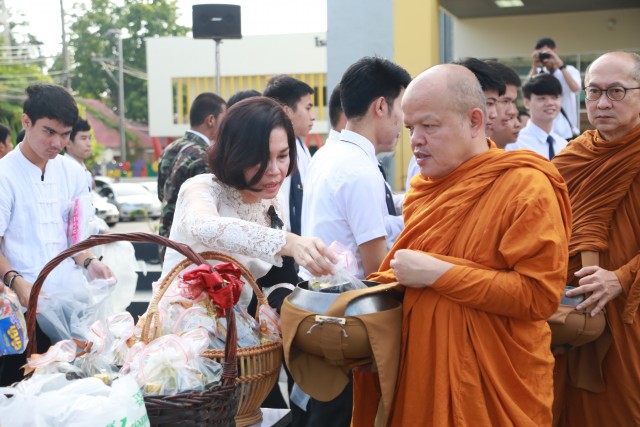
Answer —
79 148
37 188
345 196
296 98
543 99
545 59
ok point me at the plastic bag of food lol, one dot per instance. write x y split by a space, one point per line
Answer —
13 327
344 278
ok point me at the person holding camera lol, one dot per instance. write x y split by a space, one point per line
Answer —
545 59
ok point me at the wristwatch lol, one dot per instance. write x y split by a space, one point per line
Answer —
87 261
562 67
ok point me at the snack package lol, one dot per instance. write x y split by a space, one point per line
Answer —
13 327
270 329
57 360
345 271
247 328
172 364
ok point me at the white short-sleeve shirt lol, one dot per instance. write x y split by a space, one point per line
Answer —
534 138
344 197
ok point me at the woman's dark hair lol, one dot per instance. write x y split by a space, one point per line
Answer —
243 141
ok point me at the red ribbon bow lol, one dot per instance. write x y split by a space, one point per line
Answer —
222 283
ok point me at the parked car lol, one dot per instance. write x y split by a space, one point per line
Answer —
152 186
133 200
105 210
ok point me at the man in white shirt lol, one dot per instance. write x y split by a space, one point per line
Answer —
543 98
296 99
37 189
345 194
79 148
545 59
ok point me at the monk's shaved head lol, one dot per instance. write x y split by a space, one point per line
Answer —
614 119
633 57
444 110
454 84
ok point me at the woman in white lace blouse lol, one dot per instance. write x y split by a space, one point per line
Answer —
235 210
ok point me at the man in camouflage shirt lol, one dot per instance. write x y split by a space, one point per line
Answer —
187 156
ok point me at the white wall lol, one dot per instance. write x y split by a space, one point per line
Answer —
580 32
172 57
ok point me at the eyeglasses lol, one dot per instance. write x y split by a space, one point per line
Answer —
615 93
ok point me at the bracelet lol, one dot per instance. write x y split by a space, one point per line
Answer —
13 278
6 273
87 261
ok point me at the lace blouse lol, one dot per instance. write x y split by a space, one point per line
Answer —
213 216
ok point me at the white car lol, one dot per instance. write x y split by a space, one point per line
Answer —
133 200
105 210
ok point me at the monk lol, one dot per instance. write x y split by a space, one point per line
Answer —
482 259
599 384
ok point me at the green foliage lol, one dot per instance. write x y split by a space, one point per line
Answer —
14 79
90 38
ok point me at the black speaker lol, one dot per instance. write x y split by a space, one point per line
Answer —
216 21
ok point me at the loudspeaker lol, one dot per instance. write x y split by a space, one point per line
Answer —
216 21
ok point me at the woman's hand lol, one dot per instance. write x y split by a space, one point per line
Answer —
310 253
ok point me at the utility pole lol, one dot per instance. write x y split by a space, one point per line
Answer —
123 141
65 48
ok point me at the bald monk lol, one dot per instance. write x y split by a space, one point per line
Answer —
602 169
482 259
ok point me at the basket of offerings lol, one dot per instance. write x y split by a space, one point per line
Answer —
259 343
214 403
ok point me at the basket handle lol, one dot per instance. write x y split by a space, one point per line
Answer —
90 242
152 314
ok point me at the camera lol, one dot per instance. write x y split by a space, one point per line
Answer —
543 56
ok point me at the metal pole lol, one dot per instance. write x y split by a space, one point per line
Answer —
218 88
65 48
123 142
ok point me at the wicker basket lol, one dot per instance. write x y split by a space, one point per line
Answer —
214 407
258 366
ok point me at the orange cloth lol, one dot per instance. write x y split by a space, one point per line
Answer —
476 345
603 178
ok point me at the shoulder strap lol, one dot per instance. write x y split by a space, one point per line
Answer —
339 306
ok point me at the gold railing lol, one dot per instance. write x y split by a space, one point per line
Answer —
185 90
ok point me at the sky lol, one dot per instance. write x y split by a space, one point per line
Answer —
257 17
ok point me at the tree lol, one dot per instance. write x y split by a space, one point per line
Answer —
90 38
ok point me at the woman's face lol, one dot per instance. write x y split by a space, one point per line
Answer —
276 171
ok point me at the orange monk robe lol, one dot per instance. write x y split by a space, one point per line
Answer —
476 345
603 178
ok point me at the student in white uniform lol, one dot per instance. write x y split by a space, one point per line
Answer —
345 196
37 188
543 99
79 148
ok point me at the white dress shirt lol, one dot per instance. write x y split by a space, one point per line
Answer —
304 158
344 198
533 138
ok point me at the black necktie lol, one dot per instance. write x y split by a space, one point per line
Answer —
550 141
391 207
295 202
